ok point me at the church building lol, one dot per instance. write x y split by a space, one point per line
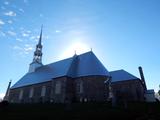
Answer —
81 78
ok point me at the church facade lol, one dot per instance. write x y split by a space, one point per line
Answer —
81 78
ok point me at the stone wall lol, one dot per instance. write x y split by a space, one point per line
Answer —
93 88
131 90
58 96
14 93
63 89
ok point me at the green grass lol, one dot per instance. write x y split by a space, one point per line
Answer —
78 111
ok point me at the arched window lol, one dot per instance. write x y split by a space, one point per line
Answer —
21 94
43 91
79 87
31 92
81 99
58 87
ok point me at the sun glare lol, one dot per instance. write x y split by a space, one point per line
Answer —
77 48
1 96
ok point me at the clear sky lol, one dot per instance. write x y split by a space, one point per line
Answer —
123 34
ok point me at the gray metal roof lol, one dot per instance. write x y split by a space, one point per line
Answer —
79 65
121 75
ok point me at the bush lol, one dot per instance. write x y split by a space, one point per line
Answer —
4 103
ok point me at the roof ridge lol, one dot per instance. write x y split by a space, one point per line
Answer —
69 57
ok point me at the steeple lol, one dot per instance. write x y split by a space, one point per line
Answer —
37 58
40 37
38 52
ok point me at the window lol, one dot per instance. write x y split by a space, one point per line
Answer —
79 87
81 99
43 91
21 95
85 99
58 87
31 92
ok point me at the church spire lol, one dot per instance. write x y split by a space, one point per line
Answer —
38 51
40 37
37 59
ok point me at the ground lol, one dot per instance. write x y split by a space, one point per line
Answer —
79 111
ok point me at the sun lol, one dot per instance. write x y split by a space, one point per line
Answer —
77 48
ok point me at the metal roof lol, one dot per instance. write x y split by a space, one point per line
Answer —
121 75
77 66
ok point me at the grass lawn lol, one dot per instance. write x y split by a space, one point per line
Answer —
78 111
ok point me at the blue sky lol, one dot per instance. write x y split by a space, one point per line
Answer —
124 34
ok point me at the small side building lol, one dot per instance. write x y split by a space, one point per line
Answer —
150 95
125 86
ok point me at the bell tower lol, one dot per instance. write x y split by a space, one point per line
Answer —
37 58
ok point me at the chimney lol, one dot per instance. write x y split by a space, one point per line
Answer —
7 92
142 77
